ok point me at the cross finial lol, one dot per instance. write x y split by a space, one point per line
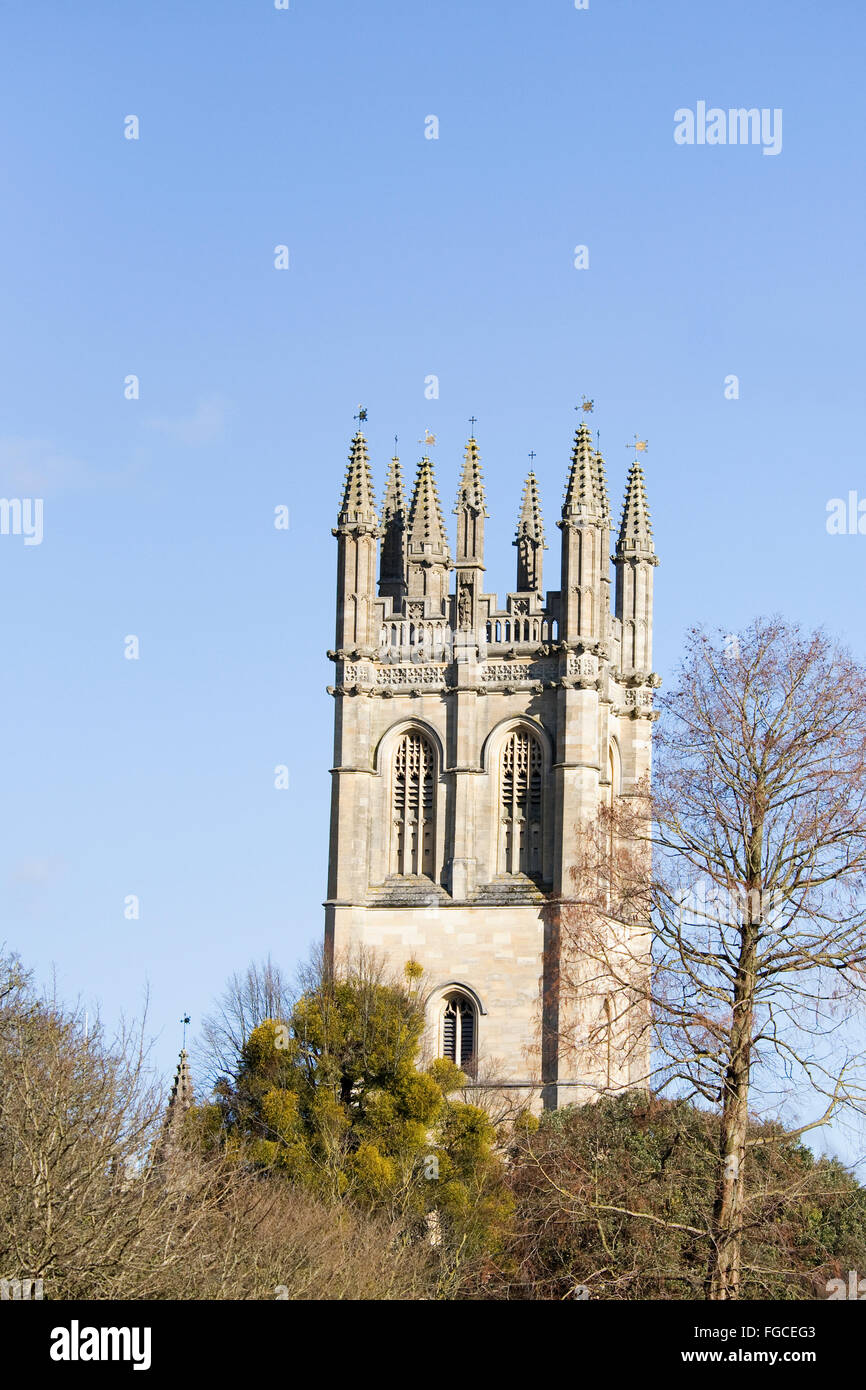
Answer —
640 446
473 419
531 457
361 416
184 1021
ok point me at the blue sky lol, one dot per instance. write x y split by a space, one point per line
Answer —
408 257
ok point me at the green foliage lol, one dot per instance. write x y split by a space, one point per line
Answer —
617 1197
334 1099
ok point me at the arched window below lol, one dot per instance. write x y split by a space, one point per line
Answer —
459 1031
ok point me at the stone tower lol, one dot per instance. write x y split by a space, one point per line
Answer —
471 742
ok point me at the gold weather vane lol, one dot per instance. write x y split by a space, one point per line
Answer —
361 416
428 438
640 446
585 404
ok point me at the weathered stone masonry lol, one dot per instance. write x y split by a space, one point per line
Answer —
470 741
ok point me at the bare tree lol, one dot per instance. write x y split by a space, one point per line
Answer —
261 991
85 1207
756 896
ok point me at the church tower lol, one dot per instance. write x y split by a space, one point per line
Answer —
472 742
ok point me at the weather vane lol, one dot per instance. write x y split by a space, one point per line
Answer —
184 1021
585 404
428 438
361 416
640 446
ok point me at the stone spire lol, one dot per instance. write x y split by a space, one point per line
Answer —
429 559
470 511
426 523
585 491
181 1097
634 560
394 501
635 532
179 1102
392 570
601 486
357 533
604 614
471 492
530 538
585 587
358 504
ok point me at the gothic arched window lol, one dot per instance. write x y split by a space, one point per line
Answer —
413 806
520 804
458 1031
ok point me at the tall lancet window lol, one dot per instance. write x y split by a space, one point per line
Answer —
521 782
458 1031
413 806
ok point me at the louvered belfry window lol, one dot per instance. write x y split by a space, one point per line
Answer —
520 839
413 836
458 1031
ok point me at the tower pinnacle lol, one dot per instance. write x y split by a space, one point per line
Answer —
392 574
585 492
471 493
179 1102
357 533
426 523
530 538
635 532
634 559
358 504
428 556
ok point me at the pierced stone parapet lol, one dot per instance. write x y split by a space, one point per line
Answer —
517 672
411 674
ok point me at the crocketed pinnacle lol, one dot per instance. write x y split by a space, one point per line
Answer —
358 503
426 524
584 495
471 493
601 488
530 524
181 1097
394 501
635 532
